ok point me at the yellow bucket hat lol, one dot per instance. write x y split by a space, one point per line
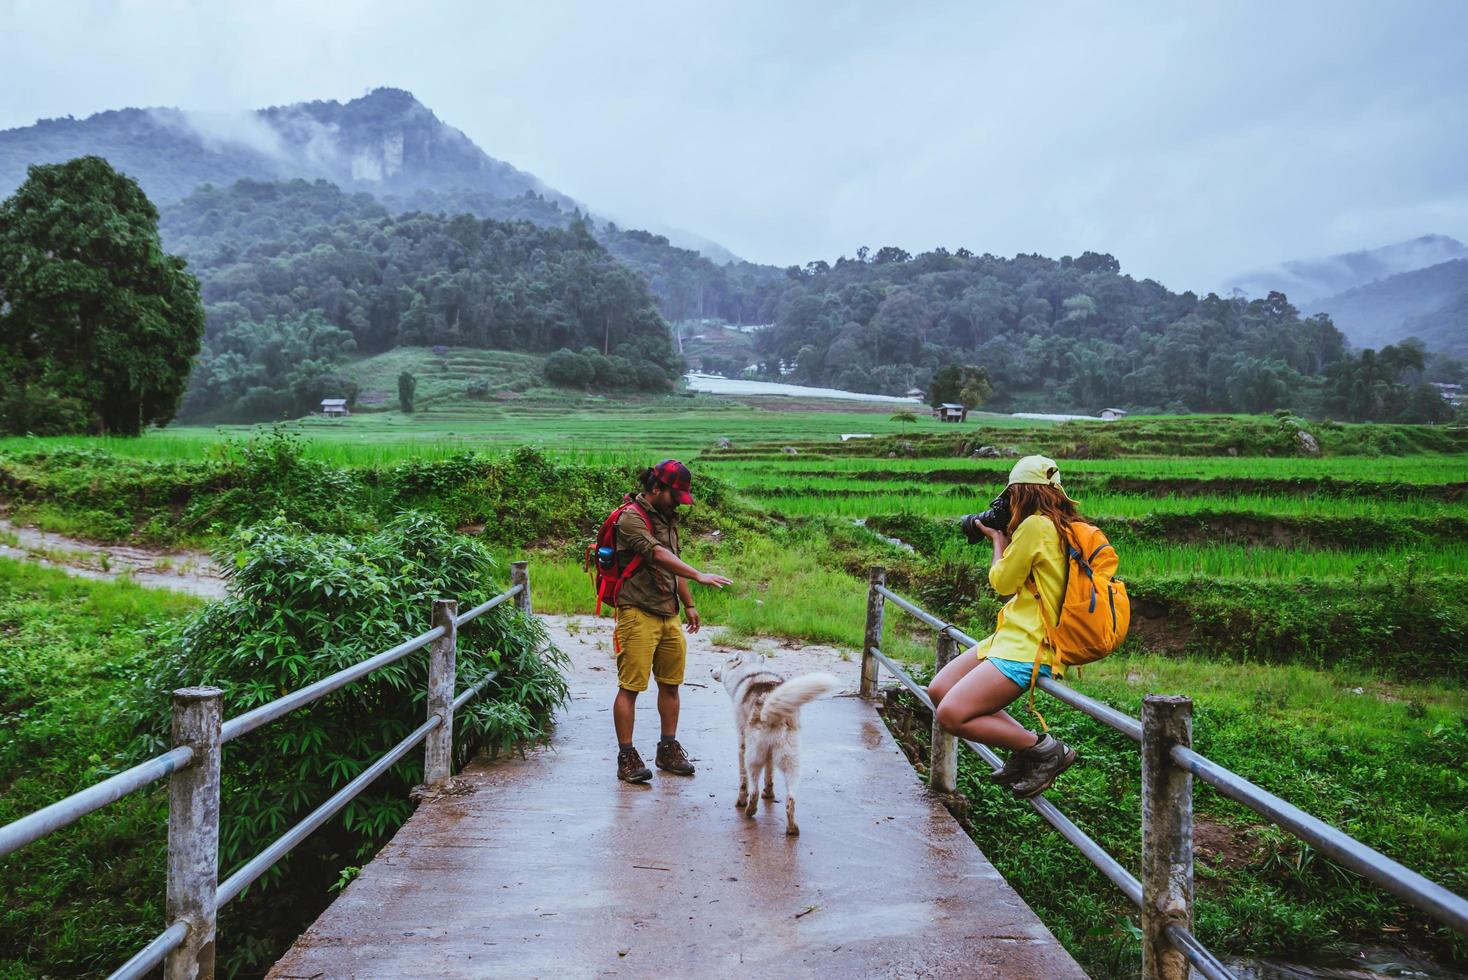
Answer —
1038 469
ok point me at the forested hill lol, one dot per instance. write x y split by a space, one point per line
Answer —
1074 335
686 283
296 276
386 144
1430 304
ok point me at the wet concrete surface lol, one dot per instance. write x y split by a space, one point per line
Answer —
546 866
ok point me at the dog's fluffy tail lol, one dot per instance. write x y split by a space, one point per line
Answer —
785 701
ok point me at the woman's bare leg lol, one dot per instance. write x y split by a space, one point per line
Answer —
973 708
951 674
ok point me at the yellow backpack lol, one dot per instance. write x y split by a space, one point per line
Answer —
1094 609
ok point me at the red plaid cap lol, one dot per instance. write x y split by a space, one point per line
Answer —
675 476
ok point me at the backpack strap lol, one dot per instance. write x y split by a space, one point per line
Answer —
1053 640
634 564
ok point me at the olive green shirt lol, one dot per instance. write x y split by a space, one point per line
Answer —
651 588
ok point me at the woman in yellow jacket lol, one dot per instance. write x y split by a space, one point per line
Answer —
971 693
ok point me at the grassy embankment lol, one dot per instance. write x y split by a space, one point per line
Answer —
69 651
1272 633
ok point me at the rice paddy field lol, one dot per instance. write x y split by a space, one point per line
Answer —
1315 606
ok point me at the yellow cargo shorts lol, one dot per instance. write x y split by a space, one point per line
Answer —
648 643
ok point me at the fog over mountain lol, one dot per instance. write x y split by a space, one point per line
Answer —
1430 304
1305 281
384 142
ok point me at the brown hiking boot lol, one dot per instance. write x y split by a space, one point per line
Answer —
630 768
672 758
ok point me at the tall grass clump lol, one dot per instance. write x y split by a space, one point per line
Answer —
303 605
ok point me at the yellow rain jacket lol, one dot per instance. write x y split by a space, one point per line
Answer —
1034 550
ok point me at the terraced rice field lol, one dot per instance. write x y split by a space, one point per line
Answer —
1242 518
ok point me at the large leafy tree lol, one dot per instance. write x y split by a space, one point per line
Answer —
91 307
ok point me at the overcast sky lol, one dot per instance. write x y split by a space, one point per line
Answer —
1192 140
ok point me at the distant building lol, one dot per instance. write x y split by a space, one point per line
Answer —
1112 414
917 393
1452 394
950 412
439 350
335 407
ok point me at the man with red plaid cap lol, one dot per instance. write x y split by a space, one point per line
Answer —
649 637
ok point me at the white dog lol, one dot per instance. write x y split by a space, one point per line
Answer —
767 714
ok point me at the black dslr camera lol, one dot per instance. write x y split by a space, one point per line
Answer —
996 517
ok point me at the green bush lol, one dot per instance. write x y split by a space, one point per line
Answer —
301 606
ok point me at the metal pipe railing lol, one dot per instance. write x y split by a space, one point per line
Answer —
151 956
65 812
262 862
1421 893
1094 852
1169 764
1103 713
1197 954
186 948
271 710
485 607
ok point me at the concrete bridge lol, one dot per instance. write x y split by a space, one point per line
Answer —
546 866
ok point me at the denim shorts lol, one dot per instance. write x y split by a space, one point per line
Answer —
1019 671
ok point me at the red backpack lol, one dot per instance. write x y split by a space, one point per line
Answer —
611 572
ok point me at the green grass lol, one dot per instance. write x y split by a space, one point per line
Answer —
782 587
916 500
68 649
1388 764
1338 743
1422 468
443 380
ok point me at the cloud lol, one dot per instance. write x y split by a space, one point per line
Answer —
1190 141
223 129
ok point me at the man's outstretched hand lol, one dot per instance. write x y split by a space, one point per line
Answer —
708 578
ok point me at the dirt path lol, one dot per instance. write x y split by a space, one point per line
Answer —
181 571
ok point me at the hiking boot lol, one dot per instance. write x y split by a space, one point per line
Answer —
672 758
1015 768
1049 758
630 768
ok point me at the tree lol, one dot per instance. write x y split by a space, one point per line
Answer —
407 387
91 307
906 418
968 386
568 368
943 388
974 388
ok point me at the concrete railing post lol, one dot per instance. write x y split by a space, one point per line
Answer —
876 606
443 654
1167 835
193 831
520 575
943 761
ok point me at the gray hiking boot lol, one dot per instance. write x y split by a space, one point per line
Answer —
1015 768
1049 758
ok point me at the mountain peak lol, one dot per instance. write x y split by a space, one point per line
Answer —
1306 281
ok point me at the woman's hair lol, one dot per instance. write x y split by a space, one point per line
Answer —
1039 498
649 478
